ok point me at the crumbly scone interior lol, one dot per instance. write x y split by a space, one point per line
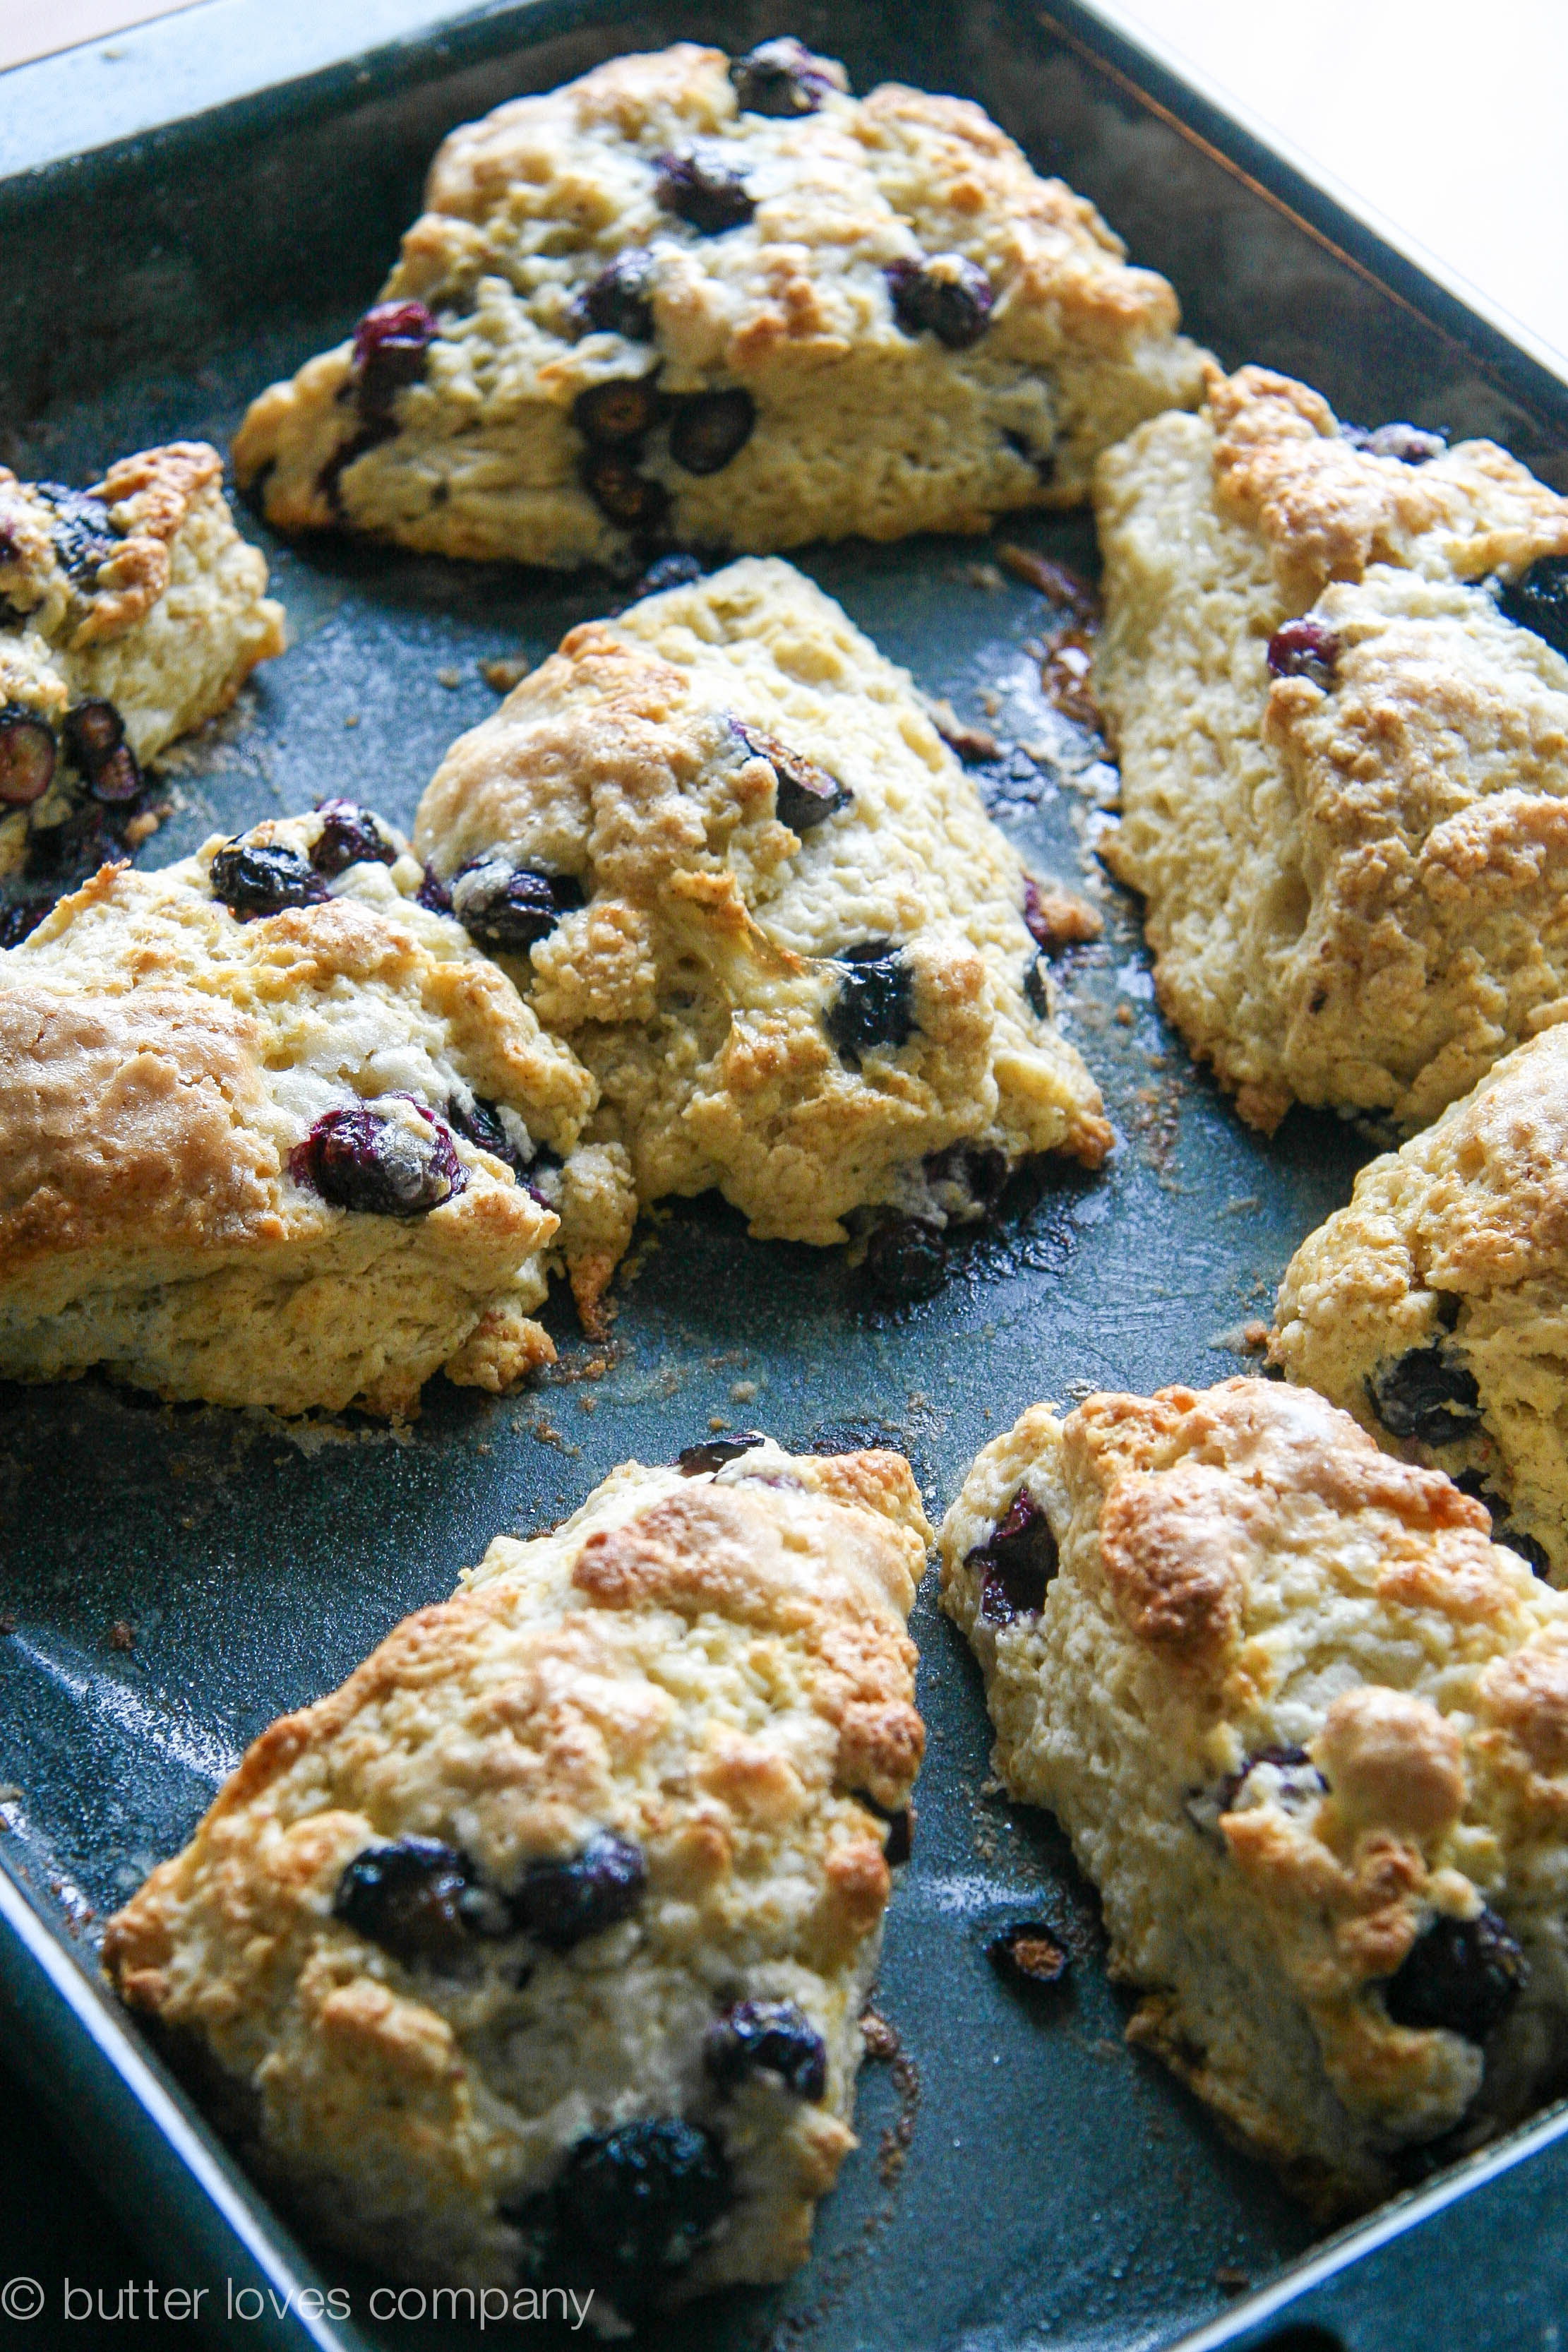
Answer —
861 424
139 592
1353 877
700 980
1298 1714
161 1064
711 1669
1435 1306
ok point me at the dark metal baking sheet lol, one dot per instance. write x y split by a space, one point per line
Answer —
1024 2178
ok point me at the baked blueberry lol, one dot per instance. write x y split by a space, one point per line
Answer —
1036 985
416 1898
619 301
1537 601
616 415
1015 1563
874 1005
82 530
350 835
713 1452
94 735
27 756
969 1179
511 908
700 186
1411 443
389 346
806 795
562 1903
374 1161
1304 650
1463 1975
906 1258
481 1122
255 878
627 2210
768 2037
433 894
1425 1393
677 571
944 295
627 497
781 79
710 429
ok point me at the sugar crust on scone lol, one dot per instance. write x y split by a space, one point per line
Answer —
696 981
160 1063
1354 888
1243 1577
138 592
860 426
1435 1306
714 1669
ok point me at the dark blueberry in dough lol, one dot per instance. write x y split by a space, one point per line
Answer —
27 756
1028 1952
81 529
627 2210
700 185
1463 1975
677 570
510 907
481 1123
1535 1555
627 497
19 917
1298 1782
1015 1563
907 1259
713 1452
1036 985
781 79
1425 1393
561 1903
253 879
946 294
875 1000
616 415
542 1176
770 2037
969 1179
619 301
350 835
416 1898
373 1161
900 1819
710 429
389 346
1304 650
806 794
71 848
1537 601
433 894
94 735
1411 443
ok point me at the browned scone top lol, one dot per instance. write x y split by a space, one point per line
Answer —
1307 1725
1341 706
171 1074
661 300
650 1756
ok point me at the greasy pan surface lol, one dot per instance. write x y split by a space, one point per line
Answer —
1023 2177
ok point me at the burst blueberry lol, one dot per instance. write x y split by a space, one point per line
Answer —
1426 1393
81 529
390 345
563 1903
511 908
350 835
782 79
906 1259
1537 601
713 1452
379 1163
257 878
94 735
1304 648
702 186
710 429
944 295
874 1004
1016 1562
619 301
767 2037
805 795
1462 1976
27 756
417 1898
1413 444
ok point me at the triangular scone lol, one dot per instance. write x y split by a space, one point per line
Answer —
259 1123
536 1954
1435 1306
1307 1726
129 613
728 304
1345 788
768 909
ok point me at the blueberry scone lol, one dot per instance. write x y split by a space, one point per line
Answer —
274 1133
1307 1725
1435 1306
129 613
724 302
1333 661
722 851
537 1951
